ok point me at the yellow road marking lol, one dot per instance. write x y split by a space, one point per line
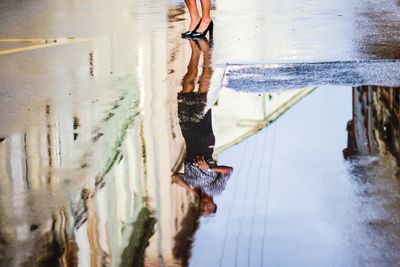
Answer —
45 43
30 40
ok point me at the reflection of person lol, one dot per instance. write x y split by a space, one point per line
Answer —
199 26
201 175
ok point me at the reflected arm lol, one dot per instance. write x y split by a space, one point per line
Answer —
222 169
176 179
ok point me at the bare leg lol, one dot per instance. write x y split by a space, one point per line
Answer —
205 77
194 13
205 15
189 79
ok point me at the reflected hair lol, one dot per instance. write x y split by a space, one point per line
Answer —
182 249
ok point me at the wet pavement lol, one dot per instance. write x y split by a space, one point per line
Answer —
274 144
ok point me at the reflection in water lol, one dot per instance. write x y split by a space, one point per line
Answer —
373 161
111 213
374 128
63 204
54 210
374 131
202 175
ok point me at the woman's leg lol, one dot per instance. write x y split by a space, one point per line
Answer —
194 13
188 81
205 77
205 15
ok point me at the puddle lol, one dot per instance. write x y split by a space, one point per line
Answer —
212 176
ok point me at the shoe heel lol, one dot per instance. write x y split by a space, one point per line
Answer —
211 29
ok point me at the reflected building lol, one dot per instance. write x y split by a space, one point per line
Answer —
374 128
69 182
244 114
81 182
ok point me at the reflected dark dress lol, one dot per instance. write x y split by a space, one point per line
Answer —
196 126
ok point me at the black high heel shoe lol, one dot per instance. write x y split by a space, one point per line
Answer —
210 28
188 34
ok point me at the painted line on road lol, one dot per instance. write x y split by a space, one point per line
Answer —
29 40
46 43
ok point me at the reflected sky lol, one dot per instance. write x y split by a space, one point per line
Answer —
293 192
